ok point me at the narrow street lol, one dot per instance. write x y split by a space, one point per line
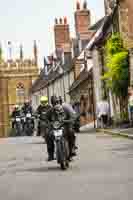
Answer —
102 170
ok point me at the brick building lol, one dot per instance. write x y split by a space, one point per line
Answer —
122 22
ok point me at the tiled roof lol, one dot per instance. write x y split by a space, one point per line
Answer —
97 25
43 81
103 28
84 75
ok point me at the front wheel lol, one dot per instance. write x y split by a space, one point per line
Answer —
63 153
64 165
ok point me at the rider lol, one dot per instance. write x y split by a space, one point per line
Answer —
71 114
27 108
16 113
42 108
68 117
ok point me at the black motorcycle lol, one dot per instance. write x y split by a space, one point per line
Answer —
17 126
61 145
28 121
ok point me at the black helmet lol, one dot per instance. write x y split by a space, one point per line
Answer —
60 100
54 100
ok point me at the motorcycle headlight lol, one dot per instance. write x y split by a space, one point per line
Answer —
56 125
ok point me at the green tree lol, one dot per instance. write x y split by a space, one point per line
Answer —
116 75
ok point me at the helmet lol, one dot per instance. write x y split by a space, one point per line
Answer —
60 99
44 99
27 102
54 100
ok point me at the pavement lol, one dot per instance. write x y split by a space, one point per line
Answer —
87 128
101 171
128 132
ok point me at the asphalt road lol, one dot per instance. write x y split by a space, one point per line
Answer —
103 170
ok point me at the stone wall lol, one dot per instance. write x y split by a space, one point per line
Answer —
125 21
10 79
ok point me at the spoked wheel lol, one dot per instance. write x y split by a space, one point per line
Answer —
65 164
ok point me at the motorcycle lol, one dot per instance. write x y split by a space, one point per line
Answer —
61 145
28 124
18 126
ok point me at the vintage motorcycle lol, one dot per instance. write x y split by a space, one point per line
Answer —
61 145
18 126
28 121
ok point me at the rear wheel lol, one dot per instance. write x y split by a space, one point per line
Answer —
64 165
18 129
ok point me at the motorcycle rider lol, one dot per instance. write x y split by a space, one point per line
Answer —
27 108
68 116
71 114
42 108
16 113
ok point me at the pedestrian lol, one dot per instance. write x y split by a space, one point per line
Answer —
102 111
130 107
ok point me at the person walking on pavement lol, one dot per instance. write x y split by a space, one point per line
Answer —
130 107
102 111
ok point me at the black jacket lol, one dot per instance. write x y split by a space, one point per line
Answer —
26 109
42 111
16 113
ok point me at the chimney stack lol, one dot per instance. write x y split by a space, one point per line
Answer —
62 35
82 21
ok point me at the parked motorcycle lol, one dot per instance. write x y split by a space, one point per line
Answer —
61 145
28 124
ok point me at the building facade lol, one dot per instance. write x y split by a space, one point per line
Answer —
16 78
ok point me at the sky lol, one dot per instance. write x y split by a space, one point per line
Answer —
23 21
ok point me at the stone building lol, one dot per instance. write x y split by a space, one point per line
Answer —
123 15
16 78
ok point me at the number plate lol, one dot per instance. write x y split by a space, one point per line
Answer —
18 119
28 115
58 133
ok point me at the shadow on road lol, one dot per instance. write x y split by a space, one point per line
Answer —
42 169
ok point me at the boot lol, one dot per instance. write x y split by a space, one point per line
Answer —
50 157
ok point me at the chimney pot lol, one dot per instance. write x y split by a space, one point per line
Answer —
60 20
56 21
78 5
65 20
85 5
